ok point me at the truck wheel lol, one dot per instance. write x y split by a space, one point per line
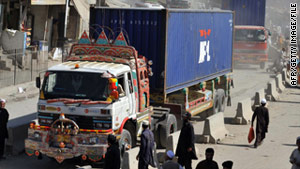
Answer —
167 129
221 100
262 65
125 141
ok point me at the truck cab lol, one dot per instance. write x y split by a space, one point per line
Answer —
250 45
100 89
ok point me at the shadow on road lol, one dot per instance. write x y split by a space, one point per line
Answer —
242 67
228 120
294 93
294 126
291 102
292 145
237 145
21 120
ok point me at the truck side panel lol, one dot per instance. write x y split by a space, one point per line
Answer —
199 47
247 12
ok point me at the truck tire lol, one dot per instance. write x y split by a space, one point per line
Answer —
262 65
166 129
129 126
125 141
221 100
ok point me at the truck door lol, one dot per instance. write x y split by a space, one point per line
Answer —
122 107
130 93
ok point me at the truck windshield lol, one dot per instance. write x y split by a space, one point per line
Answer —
75 85
250 35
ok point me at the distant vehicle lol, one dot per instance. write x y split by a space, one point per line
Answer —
149 5
178 4
250 45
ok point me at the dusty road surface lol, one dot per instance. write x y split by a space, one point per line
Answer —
280 140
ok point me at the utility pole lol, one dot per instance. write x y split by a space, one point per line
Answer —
65 29
66 18
21 12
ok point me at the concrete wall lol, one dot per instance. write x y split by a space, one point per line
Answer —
40 17
73 22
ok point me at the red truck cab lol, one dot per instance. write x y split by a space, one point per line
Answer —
250 45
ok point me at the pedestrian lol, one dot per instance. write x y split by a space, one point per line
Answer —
227 164
295 156
186 143
169 163
208 163
145 156
3 127
262 122
112 156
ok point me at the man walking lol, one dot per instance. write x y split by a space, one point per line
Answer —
208 163
170 164
147 143
112 156
186 143
262 122
295 156
3 127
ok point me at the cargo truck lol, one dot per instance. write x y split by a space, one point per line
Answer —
251 37
168 62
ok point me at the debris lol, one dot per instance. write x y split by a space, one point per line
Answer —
21 90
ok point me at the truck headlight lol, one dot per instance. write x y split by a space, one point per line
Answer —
44 121
93 140
105 111
36 135
107 125
99 125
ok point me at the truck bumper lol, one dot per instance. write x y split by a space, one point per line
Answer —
250 58
94 153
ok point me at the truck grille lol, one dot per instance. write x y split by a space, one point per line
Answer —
84 122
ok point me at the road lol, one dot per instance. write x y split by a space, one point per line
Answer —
274 153
280 140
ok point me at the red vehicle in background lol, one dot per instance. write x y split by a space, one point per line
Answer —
250 45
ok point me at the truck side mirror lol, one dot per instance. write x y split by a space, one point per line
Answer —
38 82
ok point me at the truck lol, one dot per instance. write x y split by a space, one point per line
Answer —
178 4
178 61
251 37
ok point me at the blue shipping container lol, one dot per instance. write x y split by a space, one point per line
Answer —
247 12
199 47
188 46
